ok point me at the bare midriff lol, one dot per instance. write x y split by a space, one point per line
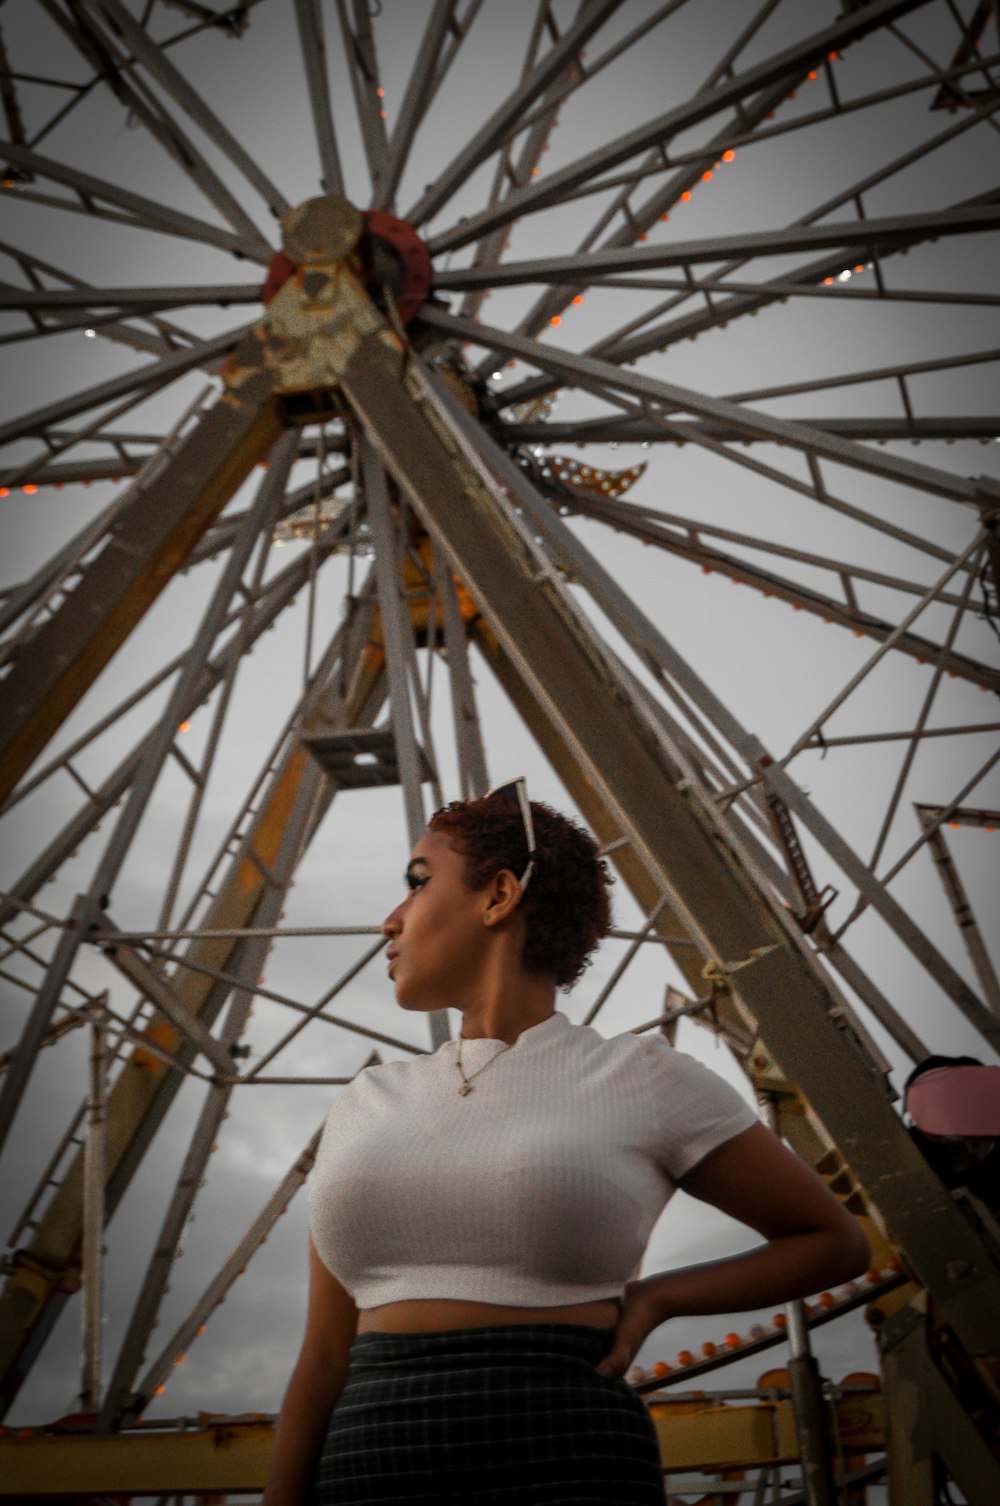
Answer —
432 1314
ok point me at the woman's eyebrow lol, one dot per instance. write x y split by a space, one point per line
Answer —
415 862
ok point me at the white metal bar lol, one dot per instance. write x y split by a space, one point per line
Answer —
312 40
94 1176
394 627
468 735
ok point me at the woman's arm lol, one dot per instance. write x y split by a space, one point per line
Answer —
314 1389
812 1242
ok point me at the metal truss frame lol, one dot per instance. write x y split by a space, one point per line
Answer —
442 472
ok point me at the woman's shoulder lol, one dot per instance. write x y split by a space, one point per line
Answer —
642 1050
669 1069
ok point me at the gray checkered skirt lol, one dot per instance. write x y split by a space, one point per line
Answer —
514 1413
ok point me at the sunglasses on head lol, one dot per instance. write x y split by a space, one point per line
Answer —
515 792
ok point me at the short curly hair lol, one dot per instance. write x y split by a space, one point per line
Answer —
567 905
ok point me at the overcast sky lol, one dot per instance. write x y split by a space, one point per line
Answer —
775 669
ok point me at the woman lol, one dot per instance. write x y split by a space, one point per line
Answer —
479 1214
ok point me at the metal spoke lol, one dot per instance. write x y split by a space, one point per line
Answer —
155 61
869 237
509 175
168 338
591 15
140 211
846 612
642 336
145 379
41 300
872 374
619 347
585 370
312 42
740 138
362 62
658 132
419 91
99 47
637 220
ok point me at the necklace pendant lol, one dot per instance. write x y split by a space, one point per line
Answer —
465 1088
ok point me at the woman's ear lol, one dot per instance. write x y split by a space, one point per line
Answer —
503 897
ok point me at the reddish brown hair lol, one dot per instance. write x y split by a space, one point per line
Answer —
567 907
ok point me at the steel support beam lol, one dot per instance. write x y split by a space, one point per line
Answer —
92 1297
471 753
679 836
150 543
927 1421
395 628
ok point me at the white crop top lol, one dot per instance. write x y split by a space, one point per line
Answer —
540 1188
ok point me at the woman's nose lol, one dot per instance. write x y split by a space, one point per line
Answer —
390 926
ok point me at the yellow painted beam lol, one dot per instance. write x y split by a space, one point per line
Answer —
229 1456
224 1458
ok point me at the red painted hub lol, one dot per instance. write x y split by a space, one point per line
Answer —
411 255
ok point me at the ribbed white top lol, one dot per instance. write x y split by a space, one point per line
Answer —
540 1188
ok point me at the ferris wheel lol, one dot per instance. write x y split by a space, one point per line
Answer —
552 323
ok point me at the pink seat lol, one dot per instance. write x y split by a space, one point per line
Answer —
961 1101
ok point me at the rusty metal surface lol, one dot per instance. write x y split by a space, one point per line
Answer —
151 541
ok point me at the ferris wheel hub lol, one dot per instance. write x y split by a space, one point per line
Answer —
322 230
392 257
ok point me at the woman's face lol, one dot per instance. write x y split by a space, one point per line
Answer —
436 934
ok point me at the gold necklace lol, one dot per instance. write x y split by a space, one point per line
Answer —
466 1084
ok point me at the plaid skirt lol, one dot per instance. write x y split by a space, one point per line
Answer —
514 1413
